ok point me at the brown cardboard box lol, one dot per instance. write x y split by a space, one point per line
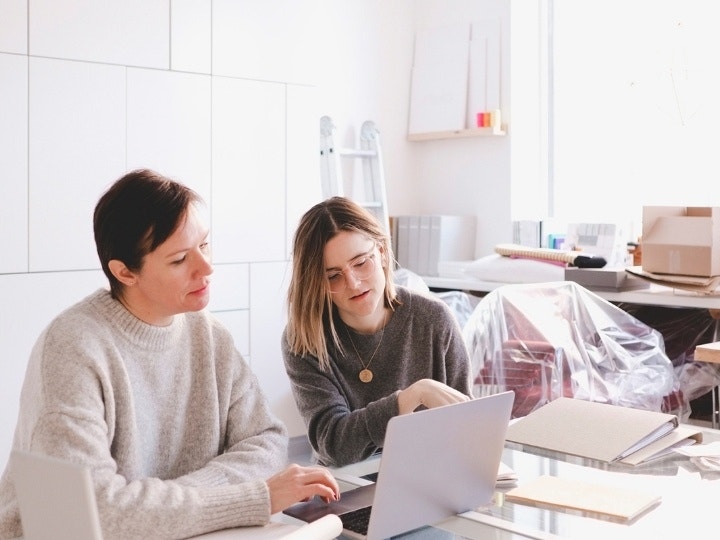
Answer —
681 240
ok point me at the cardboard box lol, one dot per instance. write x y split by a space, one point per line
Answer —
681 240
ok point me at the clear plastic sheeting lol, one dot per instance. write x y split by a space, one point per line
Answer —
410 280
555 339
683 329
460 303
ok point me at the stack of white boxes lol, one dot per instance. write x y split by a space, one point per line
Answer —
422 242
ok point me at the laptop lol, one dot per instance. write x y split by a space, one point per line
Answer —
56 498
435 463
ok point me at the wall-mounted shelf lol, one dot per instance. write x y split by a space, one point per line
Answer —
458 134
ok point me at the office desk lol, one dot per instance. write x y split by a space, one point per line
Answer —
689 500
655 295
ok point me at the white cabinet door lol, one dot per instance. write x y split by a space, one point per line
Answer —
13 163
77 148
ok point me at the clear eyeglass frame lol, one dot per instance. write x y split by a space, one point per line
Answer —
361 269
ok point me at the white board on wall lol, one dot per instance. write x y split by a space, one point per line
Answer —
438 94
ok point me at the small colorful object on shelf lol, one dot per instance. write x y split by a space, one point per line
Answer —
486 119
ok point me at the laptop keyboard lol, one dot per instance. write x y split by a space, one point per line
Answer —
357 520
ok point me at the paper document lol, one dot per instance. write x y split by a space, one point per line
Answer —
598 500
506 476
681 437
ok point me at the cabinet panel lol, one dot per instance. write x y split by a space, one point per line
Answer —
168 125
132 32
243 46
13 163
238 323
268 293
77 148
13 30
229 287
191 24
248 153
303 163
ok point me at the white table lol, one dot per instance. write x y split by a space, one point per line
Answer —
655 295
689 499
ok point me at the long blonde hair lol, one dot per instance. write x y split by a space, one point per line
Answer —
310 304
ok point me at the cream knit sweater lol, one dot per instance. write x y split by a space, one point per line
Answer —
170 420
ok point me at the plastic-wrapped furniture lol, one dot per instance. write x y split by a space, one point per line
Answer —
555 339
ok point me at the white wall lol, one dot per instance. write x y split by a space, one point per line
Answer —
225 96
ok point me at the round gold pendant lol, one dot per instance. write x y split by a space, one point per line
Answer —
366 375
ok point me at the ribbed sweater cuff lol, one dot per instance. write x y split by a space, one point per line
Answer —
239 505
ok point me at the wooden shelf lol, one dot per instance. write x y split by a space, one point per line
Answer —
457 134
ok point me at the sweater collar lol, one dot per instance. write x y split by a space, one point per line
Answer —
138 332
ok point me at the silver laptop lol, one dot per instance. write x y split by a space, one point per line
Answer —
56 498
435 463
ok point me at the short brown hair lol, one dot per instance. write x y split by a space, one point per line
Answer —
134 216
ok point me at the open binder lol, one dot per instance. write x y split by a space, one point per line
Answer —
600 431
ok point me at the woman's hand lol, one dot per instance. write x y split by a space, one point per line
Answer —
429 393
297 483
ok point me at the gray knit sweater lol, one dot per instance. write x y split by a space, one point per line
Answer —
346 419
170 420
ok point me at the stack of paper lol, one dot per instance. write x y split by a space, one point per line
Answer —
506 476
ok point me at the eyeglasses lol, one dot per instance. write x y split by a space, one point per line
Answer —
361 268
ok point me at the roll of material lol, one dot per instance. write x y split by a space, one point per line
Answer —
325 528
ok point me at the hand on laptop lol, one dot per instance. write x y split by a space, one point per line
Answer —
297 483
429 393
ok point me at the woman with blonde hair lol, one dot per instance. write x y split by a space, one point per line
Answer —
359 349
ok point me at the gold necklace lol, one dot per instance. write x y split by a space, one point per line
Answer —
365 374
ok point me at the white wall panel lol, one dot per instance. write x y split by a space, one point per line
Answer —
272 40
248 192
303 146
268 293
13 26
77 148
230 287
168 125
13 162
30 302
238 323
191 39
131 32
